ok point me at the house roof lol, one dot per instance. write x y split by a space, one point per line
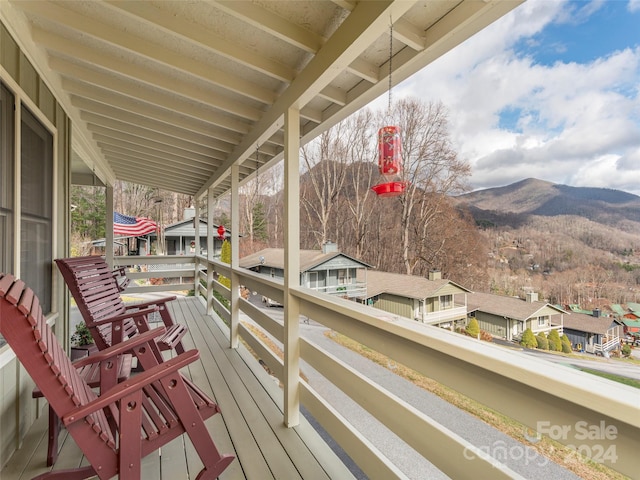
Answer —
185 228
617 308
634 307
511 307
309 259
587 323
173 94
632 323
410 286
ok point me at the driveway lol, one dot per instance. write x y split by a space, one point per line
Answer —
522 459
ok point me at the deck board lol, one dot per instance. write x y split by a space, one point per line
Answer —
250 427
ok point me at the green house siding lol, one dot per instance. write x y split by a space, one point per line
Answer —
495 325
402 307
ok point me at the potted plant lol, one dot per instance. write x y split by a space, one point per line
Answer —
81 342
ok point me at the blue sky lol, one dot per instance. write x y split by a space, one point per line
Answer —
550 91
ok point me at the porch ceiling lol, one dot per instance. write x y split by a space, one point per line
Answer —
171 94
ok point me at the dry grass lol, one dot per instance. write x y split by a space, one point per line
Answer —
554 451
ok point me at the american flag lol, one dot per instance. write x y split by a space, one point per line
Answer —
132 226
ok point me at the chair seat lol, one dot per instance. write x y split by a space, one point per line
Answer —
90 374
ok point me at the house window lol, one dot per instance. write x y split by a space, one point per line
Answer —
542 321
6 180
36 198
446 301
343 276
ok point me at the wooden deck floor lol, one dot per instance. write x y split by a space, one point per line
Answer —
250 426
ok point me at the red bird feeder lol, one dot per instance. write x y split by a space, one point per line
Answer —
389 162
221 232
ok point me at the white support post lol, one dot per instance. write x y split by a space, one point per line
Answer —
108 233
210 250
235 255
196 230
291 267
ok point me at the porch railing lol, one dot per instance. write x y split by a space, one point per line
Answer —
542 396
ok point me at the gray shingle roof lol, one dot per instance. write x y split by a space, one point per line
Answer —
511 307
587 323
410 286
274 257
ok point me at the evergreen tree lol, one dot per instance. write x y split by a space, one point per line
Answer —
473 329
554 338
259 222
528 339
225 257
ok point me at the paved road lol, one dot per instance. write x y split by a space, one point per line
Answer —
606 365
520 458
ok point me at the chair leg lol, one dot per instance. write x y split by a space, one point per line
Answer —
54 432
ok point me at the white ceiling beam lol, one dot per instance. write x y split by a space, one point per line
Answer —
161 133
176 157
409 34
164 182
151 143
170 130
138 45
275 25
72 73
152 111
139 73
155 166
198 34
154 135
363 69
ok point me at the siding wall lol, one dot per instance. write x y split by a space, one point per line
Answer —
17 409
403 307
496 326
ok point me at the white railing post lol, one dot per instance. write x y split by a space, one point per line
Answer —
235 255
196 232
108 231
291 267
210 251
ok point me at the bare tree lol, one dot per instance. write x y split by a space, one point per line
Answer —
325 161
432 171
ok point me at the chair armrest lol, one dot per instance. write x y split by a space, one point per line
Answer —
120 348
124 316
159 301
131 385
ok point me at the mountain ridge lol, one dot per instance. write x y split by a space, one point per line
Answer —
512 205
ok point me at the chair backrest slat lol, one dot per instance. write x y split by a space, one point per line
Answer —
95 289
25 328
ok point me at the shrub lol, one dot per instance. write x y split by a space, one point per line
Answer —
473 329
626 350
566 348
82 336
528 339
543 343
565 341
554 338
553 347
486 336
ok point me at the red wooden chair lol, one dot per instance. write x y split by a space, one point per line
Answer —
124 423
96 291
96 374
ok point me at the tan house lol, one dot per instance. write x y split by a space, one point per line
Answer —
327 270
433 300
507 317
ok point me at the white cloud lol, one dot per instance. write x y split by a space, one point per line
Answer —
579 124
634 5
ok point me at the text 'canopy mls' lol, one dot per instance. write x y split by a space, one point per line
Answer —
132 226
